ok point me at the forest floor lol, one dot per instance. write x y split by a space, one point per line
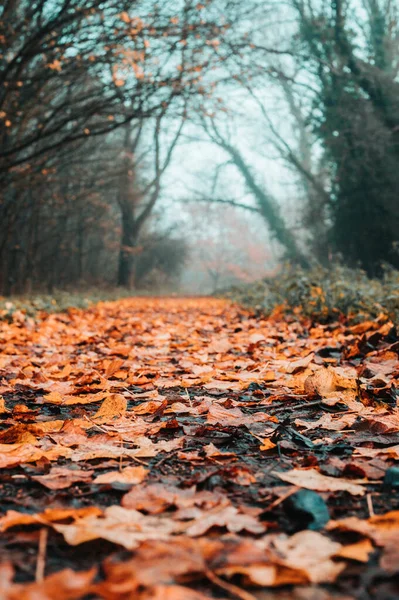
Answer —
189 449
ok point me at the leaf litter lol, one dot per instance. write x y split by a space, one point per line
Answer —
189 448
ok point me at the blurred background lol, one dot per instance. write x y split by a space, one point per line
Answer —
186 146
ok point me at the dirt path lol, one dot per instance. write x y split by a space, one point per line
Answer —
186 449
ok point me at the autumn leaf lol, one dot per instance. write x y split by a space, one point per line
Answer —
194 409
129 475
113 407
311 479
60 478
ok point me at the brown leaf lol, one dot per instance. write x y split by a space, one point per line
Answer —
60 478
298 551
131 475
64 585
172 592
321 382
280 560
380 528
359 551
155 498
122 526
232 416
329 422
223 516
12 455
156 562
3 408
311 479
13 518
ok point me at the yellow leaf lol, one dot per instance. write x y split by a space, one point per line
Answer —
267 444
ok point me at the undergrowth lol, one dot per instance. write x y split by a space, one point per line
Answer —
58 301
323 294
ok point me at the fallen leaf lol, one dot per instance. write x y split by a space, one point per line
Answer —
311 479
13 518
113 407
60 478
129 475
299 551
223 516
359 551
122 526
64 585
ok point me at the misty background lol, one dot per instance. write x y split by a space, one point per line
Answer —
187 146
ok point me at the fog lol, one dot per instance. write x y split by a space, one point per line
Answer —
187 147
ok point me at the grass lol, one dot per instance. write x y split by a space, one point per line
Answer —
60 300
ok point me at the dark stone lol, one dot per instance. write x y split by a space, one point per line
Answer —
391 477
307 510
254 387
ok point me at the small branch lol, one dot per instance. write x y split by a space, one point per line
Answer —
225 201
41 555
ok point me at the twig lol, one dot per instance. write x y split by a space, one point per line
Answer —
189 398
172 452
41 554
128 391
121 457
282 498
141 462
295 406
229 587
370 505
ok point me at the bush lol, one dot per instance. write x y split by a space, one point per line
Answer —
324 294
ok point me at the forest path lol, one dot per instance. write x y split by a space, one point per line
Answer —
218 447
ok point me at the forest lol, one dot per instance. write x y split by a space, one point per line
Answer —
199 299
140 139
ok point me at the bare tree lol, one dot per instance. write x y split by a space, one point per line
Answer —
72 74
265 203
137 202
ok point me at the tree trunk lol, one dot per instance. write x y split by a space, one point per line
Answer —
127 252
269 210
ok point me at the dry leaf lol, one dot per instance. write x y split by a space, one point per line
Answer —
311 479
122 526
129 475
113 407
60 478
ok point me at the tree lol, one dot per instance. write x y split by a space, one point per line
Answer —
137 202
72 75
356 117
162 259
334 68
266 205
226 247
